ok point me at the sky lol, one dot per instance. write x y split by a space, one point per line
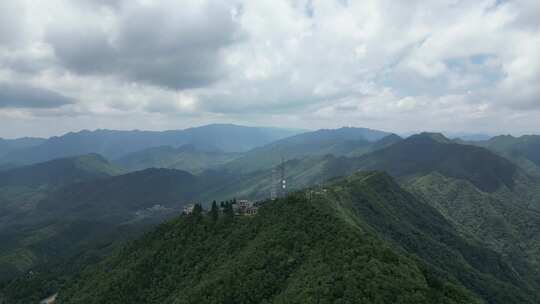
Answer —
400 66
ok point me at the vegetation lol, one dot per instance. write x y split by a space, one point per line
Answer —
361 240
59 172
293 251
470 226
187 158
343 141
522 150
505 221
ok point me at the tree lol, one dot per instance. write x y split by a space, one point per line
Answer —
197 210
228 211
214 211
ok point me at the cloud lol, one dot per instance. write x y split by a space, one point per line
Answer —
11 25
163 44
24 96
454 64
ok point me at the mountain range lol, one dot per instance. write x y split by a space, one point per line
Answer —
115 144
362 238
461 219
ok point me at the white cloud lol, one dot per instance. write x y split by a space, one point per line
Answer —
378 63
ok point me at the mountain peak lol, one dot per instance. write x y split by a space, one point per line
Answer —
438 137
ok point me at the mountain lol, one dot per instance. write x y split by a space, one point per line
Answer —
123 195
187 158
468 136
58 172
358 239
115 144
86 219
485 195
427 152
415 156
523 150
341 141
9 145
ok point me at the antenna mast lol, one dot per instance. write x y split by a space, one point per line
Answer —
283 180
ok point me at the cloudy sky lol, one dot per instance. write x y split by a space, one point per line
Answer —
446 65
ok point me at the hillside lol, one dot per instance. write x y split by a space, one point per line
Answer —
362 240
506 221
187 158
43 227
338 142
59 172
415 156
523 150
425 153
124 194
114 144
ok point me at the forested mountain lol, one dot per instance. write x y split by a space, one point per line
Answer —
415 156
343 141
360 239
85 217
114 144
485 195
523 150
427 152
59 172
124 194
487 205
186 157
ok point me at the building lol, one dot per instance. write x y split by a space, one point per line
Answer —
188 209
245 207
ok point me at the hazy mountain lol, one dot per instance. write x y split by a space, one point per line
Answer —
59 172
186 157
362 238
468 136
9 145
341 141
114 144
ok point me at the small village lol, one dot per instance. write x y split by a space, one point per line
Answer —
241 207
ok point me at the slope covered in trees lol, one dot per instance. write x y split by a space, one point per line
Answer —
523 150
40 227
59 172
187 158
343 141
362 240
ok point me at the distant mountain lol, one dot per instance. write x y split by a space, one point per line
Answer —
59 172
337 142
115 144
360 238
9 145
468 136
187 158
4 167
